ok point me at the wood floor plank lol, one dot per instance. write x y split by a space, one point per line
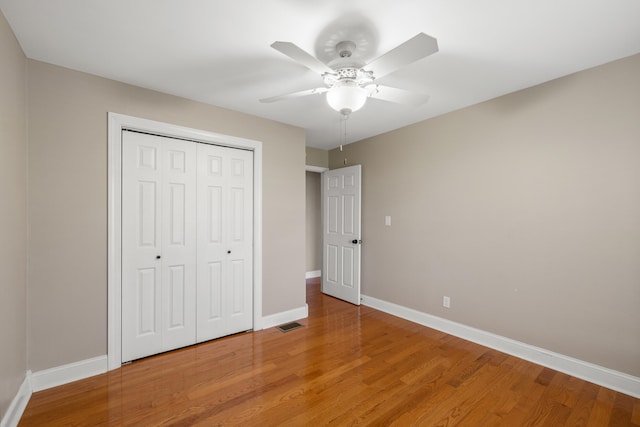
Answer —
622 411
635 416
602 408
346 366
582 408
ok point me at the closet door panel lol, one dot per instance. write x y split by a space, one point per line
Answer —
158 244
225 220
179 243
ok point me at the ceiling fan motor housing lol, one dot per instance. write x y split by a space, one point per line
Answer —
358 75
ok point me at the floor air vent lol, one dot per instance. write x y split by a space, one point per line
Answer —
289 326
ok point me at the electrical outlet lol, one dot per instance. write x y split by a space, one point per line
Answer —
446 302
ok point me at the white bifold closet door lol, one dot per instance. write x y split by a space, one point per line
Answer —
187 243
158 244
225 241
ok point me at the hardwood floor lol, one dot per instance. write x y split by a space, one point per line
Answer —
347 366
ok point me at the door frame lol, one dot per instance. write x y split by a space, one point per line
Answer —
118 122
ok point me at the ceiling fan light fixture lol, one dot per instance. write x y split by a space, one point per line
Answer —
346 96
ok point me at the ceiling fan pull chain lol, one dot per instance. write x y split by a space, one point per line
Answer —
343 123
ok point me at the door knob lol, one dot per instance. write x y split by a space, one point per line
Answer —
228 252
157 256
356 241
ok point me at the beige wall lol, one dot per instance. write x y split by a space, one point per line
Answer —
13 216
68 203
525 210
317 157
313 223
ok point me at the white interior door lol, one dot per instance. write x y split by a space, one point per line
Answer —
341 233
225 241
158 244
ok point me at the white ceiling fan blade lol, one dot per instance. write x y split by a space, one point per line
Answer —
399 96
299 55
408 52
292 95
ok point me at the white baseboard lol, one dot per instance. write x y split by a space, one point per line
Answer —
19 403
596 374
64 374
285 317
312 274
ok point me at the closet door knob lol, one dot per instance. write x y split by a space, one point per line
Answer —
157 256
228 252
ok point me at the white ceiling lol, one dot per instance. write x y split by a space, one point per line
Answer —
217 51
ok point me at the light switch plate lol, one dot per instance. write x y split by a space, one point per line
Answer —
387 220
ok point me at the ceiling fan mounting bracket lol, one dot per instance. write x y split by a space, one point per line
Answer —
345 49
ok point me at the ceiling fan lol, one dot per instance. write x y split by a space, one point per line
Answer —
349 83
